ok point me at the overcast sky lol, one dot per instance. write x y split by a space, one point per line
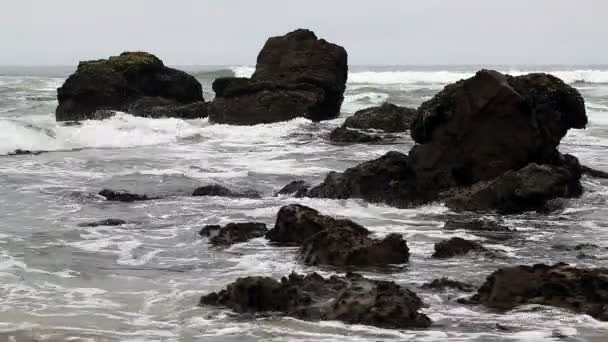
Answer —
205 32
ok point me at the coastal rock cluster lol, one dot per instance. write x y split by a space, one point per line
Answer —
484 144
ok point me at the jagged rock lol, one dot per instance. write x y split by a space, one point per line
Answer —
387 117
346 135
345 247
297 75
295 223
516 191
233 233
352 299
123 196
106 222
456 246
221 191
297 188
444 283
560 285
120 83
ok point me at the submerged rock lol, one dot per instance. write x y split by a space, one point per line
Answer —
297 188
297 75
456 246
123 196
106 222
352 299
222 191
346 135
129 82
444 283
295 223
20 152
560 285
233 233
345 247
387 117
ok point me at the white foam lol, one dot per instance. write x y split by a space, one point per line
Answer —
243 71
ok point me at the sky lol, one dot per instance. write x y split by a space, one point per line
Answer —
378 32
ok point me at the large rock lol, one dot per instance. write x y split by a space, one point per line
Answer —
295 223
456 246
347 135
479 128
387 117
580 290
134 82
352 299
345 247
233 233
297 75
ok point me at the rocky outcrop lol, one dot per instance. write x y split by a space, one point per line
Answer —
123 196
446 283
233 233
296 188
295 223
456 246
488 132
222 191
344 247
134 82
387 117
352 299
560 285
297 75
346 135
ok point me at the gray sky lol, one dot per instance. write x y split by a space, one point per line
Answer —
201 32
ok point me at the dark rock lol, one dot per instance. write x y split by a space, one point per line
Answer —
158 107
233 233
516 191
346 135
345 247
221 191
387 117
352 299
586 170
479 225
123 196
444 283
297 75
106 222
297 188
456 246
295 223
479 128
560 285
389 179
20 152
119 82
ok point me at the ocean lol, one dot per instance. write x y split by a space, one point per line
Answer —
142 281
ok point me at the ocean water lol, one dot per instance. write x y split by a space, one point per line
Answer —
142 281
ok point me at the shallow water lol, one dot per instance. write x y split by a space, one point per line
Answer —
142 281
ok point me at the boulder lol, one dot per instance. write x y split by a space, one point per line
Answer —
233 233
134 82
516 191
456 246
479 128
297 188
346 135
123 196
297 75
222 191
445 283
577 289
352 299
295 223
387 117
345 247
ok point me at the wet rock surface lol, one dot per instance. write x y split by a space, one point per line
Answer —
129 83
296 188
233 233
456 247
297 75
346 135
445 283
560 285
106 222
123 196
352 299
345 247
222 191
387 117
481 227
296 223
